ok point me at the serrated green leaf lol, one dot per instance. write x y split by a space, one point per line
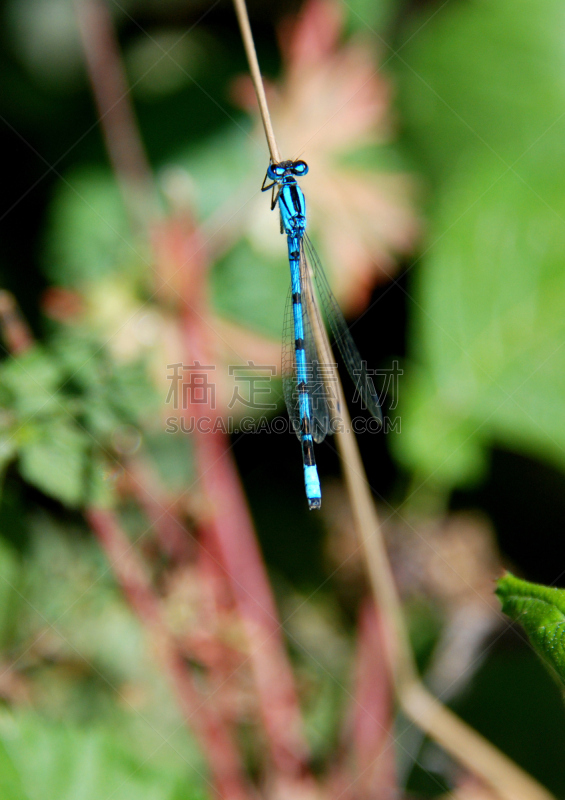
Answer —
541 612
55 461
109 394
129 391
32 380
75 349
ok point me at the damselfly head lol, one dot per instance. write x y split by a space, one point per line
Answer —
276 172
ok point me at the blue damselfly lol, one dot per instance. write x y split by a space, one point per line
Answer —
306 383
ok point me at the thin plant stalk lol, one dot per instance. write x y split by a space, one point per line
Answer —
460 740
254 69
456 737
373 711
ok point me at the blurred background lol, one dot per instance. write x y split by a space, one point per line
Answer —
434 134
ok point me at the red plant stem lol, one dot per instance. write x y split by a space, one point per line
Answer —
215 741
229 532
364 765
115 111
210 567
15 330
373 711
159 509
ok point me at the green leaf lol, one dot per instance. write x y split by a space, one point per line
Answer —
370 15
89 236
485 79
151 75
41 761
541 612
55 461
251 287
226 167
435 437
111 394
487 323
10 780
32 379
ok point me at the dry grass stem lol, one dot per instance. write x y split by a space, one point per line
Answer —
455 736
249 44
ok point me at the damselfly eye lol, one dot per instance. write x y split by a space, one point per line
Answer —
300 168
275 171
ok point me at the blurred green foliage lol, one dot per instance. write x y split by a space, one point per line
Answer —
62 408
516 704
102 722
88 235
483 92
70 762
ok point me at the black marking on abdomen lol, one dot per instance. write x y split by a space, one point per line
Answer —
305 426
308 451
299 344
296 297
